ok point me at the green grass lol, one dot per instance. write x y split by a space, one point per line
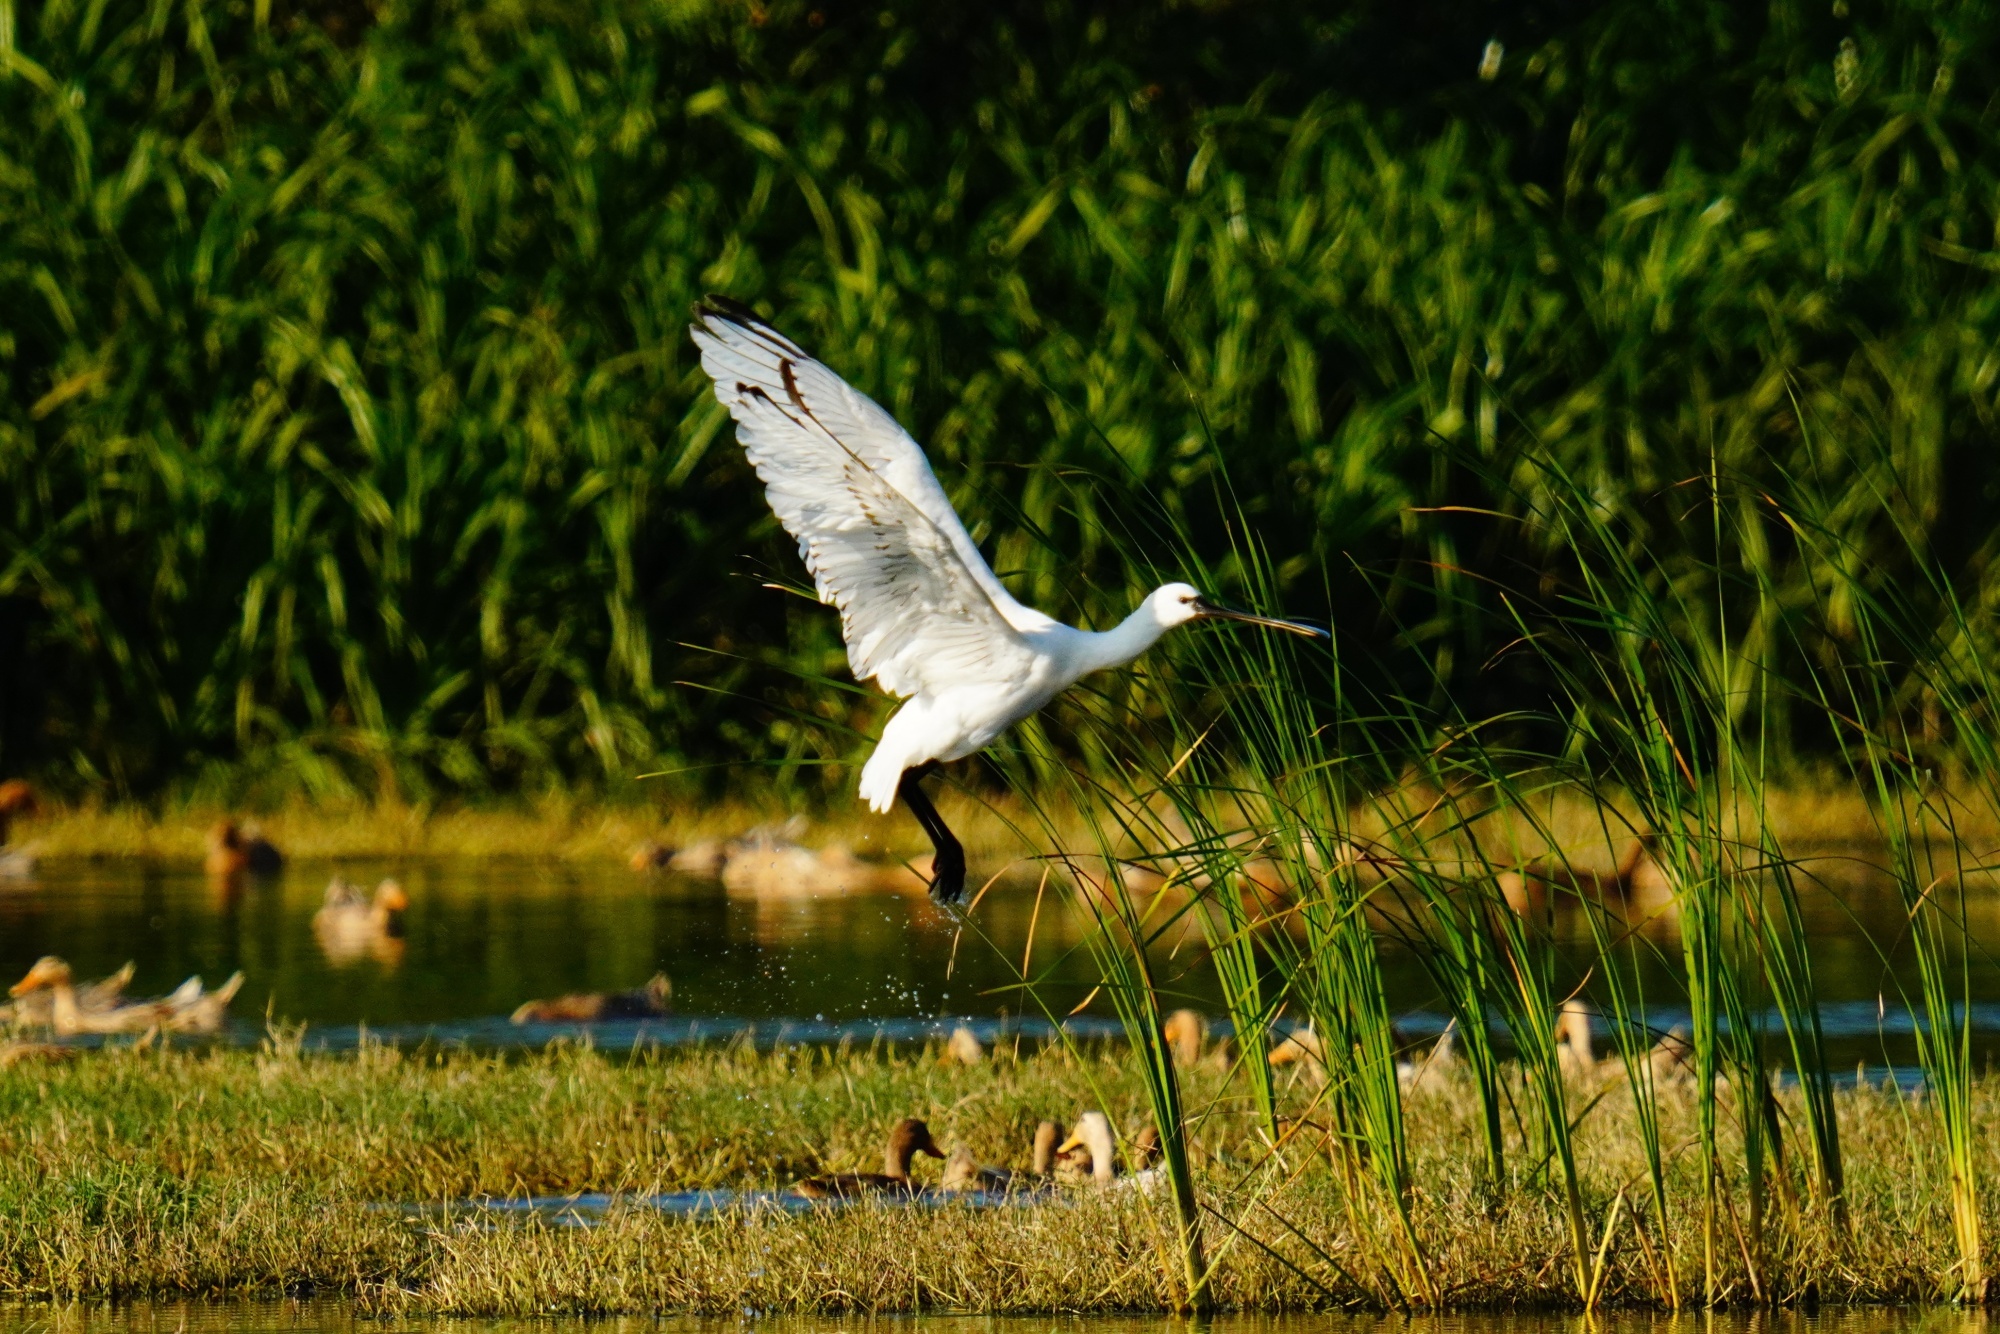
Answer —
129 1173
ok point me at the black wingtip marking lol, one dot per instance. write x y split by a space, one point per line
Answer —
757 391
792 385
729 308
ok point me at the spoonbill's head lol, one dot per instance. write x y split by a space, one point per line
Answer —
1177 604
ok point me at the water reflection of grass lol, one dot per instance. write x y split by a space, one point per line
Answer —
131 1172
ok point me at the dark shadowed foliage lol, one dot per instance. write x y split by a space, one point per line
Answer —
350 437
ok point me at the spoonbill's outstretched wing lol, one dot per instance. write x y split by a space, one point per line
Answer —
919 607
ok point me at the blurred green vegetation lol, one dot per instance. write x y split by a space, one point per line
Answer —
351 440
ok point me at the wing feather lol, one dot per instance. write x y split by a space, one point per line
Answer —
737 345
916 613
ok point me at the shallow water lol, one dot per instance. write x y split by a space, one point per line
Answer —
482 936
319 1317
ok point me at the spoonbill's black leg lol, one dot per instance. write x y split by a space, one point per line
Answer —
948 866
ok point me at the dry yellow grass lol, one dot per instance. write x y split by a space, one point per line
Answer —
581 829
559 828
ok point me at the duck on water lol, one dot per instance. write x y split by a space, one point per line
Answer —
17 801
650 1001
189 1008
909 1138
351 925
235 851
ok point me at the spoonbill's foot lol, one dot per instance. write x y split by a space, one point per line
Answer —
948 865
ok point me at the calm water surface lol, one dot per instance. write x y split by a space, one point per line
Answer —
483 936
331 1318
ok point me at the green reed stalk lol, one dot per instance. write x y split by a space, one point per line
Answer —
1666 688
1124 935
1932 888
1618 958
1448 931
1427 795
1232 942
1927 865
1293 793
1229 928
1874 629
1914 819
1527 1000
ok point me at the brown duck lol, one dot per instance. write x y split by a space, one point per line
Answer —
910 1138
589 1007
17 799
1637 881
233 852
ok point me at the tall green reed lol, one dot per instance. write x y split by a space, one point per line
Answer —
1107 795
1917 813
1661 696
351 442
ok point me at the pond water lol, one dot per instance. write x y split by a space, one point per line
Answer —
338 1318
481 936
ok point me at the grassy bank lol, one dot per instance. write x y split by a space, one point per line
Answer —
994 827
558 827
128 1172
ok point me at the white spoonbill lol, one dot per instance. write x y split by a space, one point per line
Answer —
920 610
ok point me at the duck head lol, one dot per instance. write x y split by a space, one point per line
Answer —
1093 1131
910 1138
390 900
49 971
1186 1033
16 799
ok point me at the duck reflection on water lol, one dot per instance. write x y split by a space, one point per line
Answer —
771 861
